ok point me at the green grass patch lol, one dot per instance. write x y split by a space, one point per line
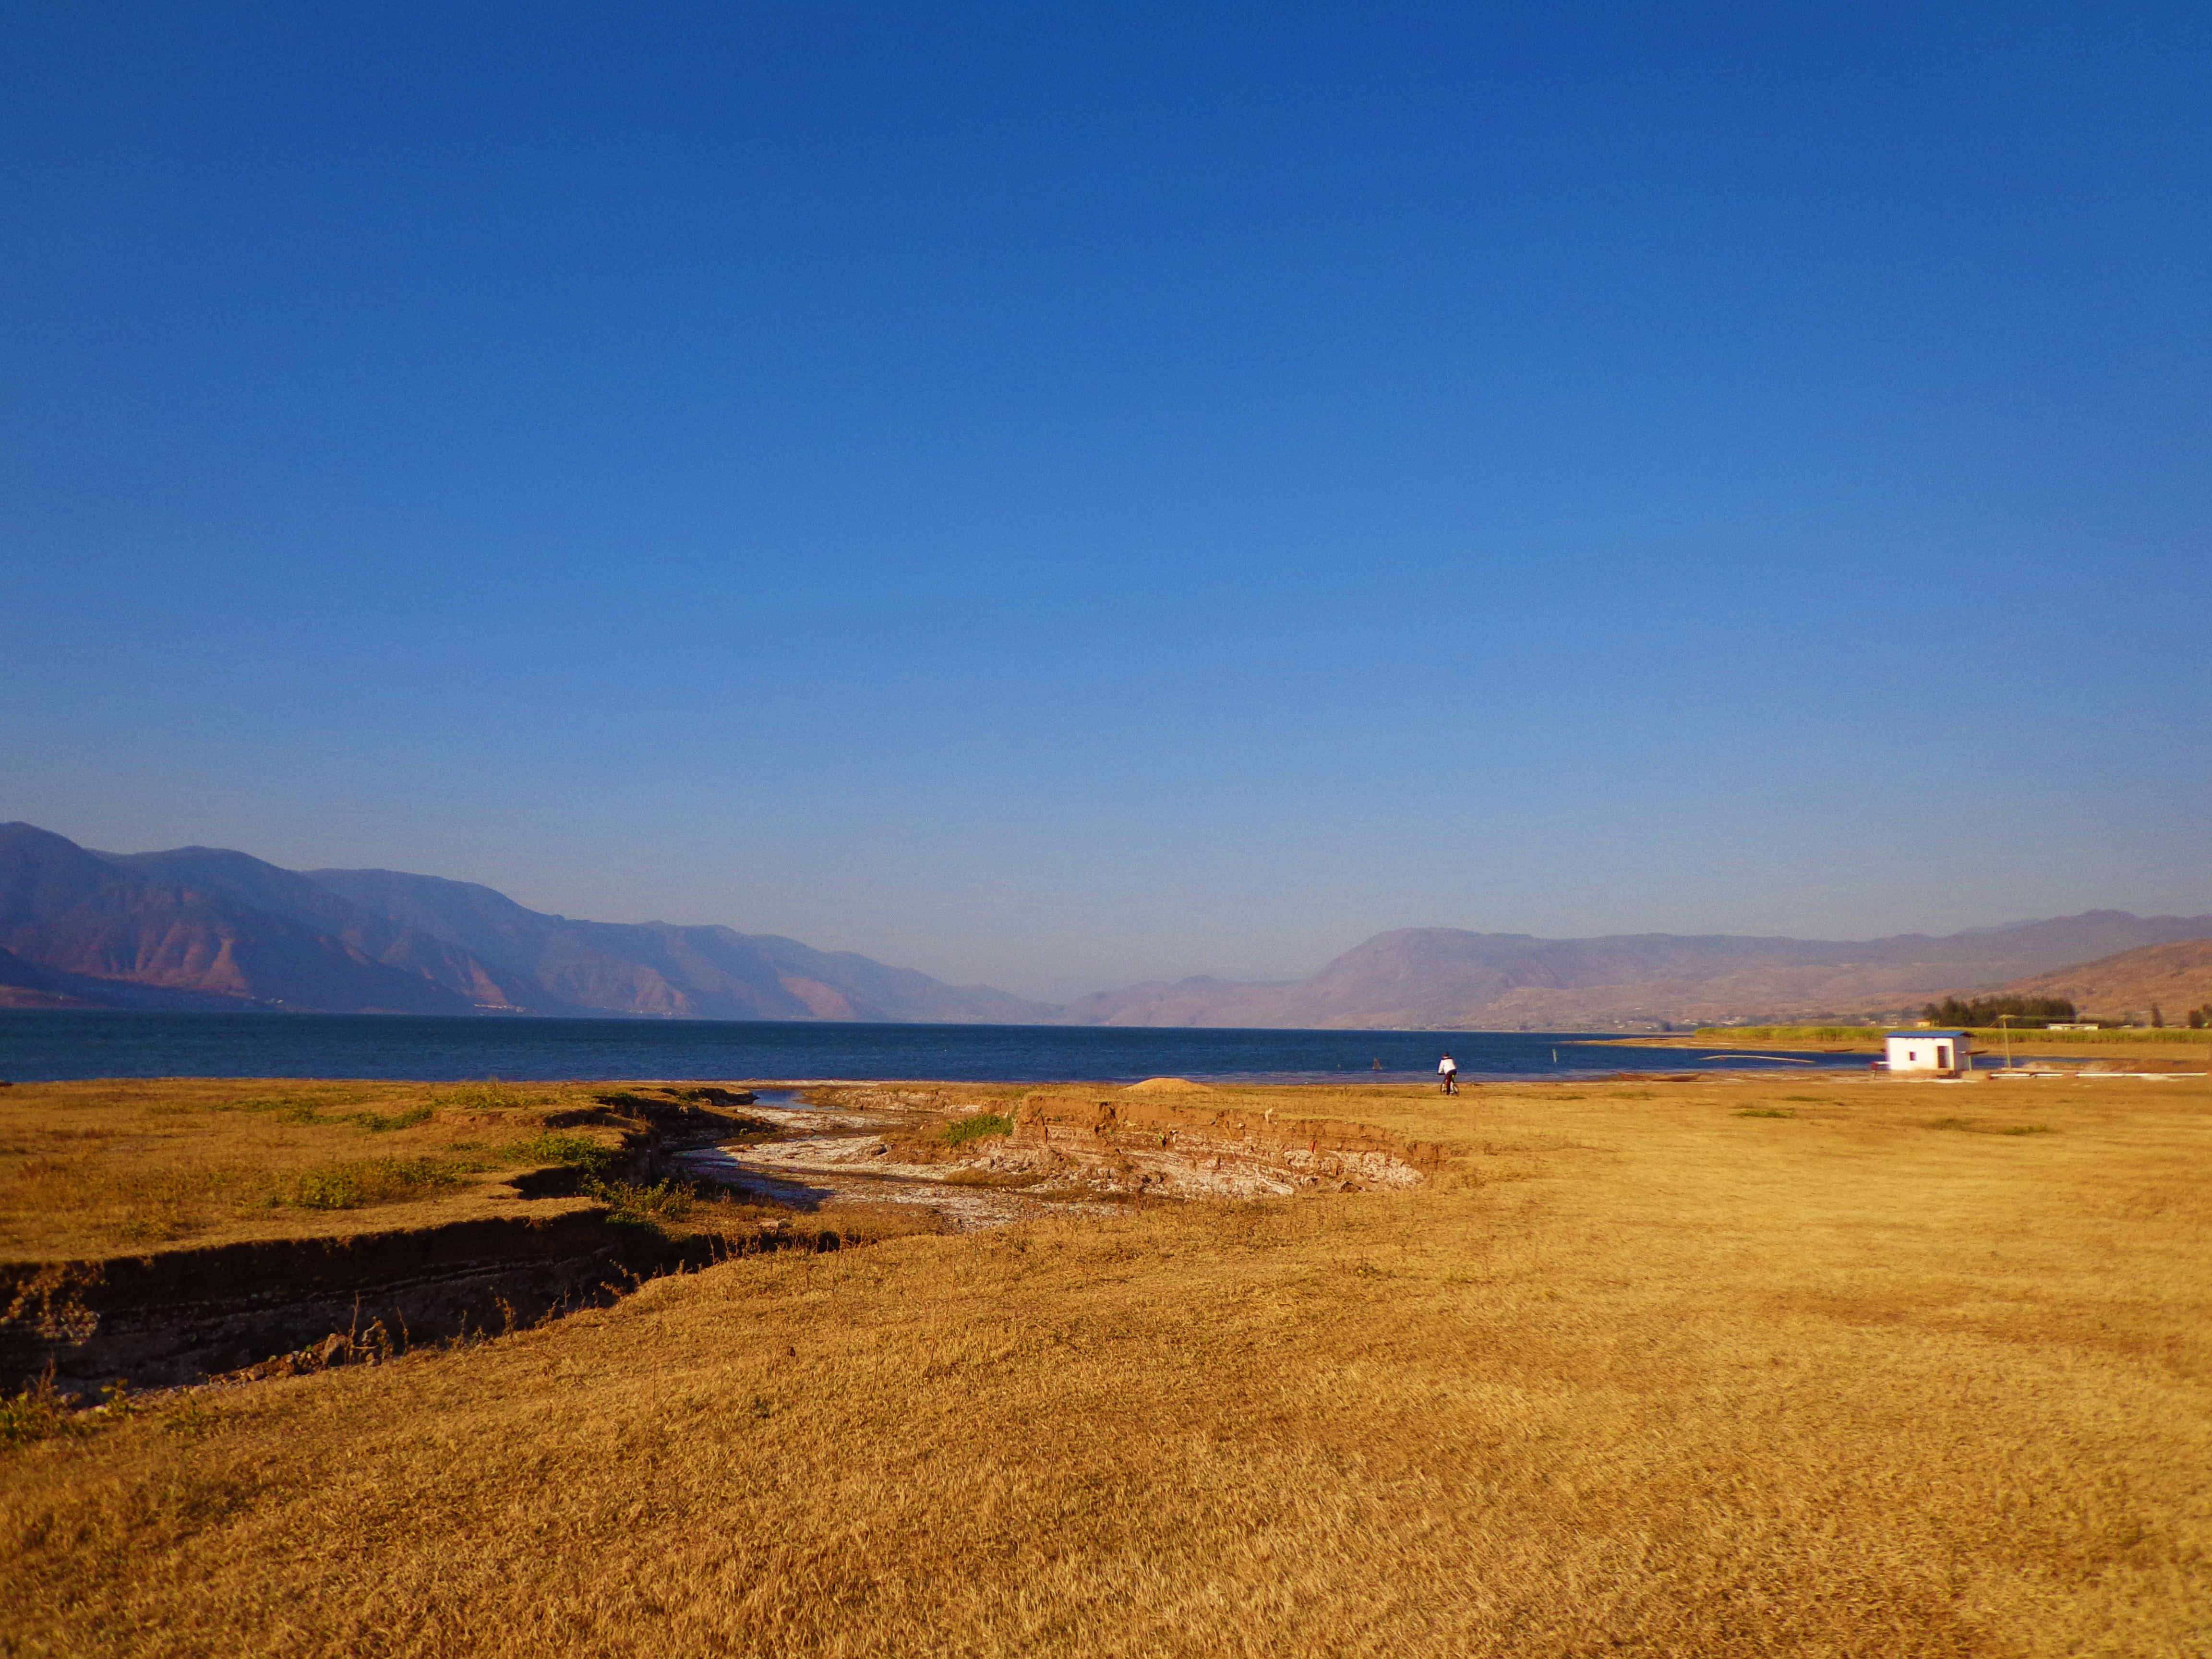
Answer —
303 1110
577 1151
975 1128
1764 1111
38 1413
1974 1125
382 1122
362 1182
291 1109
633 1205
487 1097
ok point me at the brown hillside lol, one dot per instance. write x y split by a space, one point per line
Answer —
2175 978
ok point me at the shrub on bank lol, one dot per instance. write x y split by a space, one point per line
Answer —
975 1128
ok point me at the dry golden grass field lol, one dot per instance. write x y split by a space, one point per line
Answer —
1804 1366
105 1168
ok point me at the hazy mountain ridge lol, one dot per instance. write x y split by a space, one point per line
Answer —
300 898
660 968
2173 978
33 985
198 926
1446 978
66 909
207 928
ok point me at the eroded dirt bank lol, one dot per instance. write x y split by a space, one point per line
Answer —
179 1316
576 1231
813 1168
1132 1145
981 1158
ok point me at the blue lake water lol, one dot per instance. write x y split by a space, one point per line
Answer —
36 1047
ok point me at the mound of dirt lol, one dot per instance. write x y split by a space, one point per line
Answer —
1167 1086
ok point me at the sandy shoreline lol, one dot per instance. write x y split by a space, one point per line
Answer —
2187 1057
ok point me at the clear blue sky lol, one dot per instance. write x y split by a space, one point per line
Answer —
1055 495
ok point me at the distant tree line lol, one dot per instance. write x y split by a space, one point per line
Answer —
2032 1013
2197 1019
2028 1013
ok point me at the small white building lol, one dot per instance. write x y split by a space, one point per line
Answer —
1939 1054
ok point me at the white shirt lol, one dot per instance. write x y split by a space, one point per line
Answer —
1447 1065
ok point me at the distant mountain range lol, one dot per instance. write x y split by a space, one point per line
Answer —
200 928
1443 979
2173 979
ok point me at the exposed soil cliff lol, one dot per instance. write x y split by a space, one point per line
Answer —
984 1155
1148 1145
557 1237
176 1315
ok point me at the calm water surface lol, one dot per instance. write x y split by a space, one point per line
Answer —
43 1046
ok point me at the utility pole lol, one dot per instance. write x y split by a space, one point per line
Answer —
2004 1025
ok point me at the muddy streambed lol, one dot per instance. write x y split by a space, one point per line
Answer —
821 1154
259 1308
1052 1152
